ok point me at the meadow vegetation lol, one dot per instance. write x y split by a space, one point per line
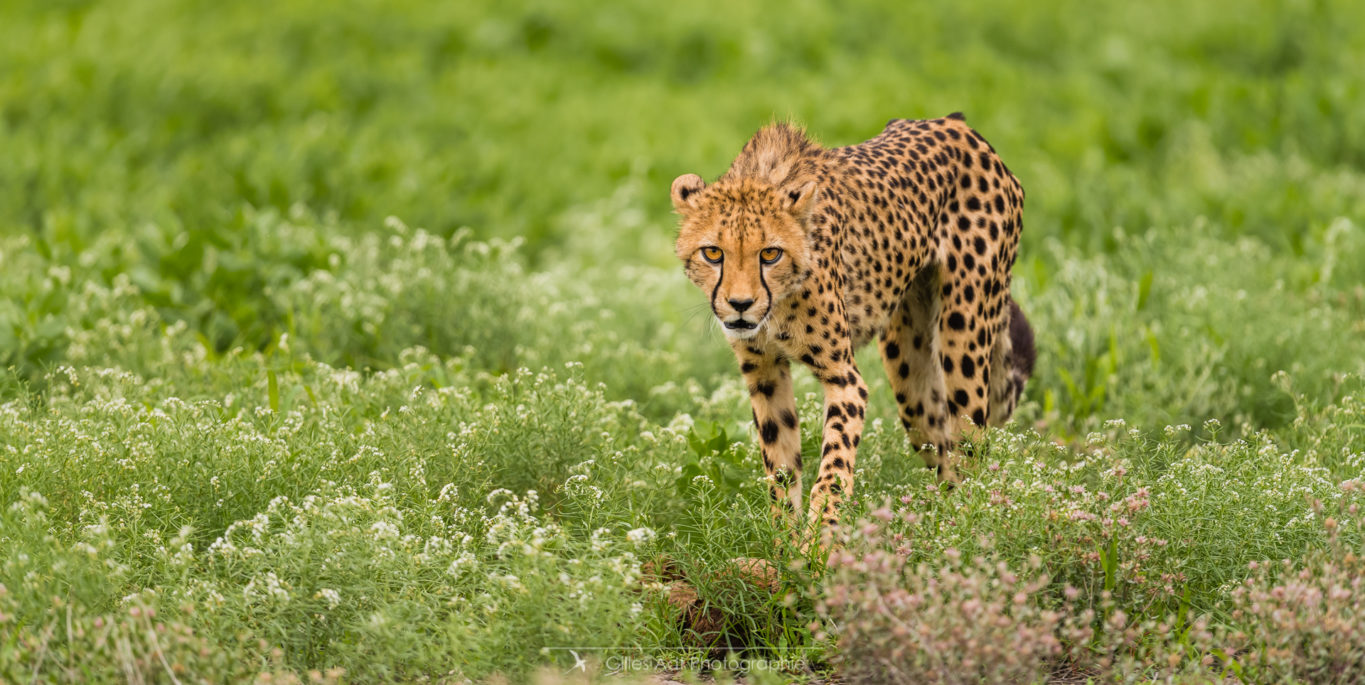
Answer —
346 343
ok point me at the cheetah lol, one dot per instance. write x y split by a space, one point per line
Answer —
807 253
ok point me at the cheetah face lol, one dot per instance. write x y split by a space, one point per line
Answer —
744 243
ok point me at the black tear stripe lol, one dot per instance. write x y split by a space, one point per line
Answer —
717 289
764 282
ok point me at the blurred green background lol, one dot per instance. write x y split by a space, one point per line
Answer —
1203 159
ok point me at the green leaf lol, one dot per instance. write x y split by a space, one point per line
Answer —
273 390
1154 345
1144 290
1110 559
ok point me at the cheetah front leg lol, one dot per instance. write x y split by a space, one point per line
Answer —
774 403
845 408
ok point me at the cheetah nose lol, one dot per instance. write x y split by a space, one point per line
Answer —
741 305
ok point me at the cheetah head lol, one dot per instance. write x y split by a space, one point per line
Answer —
744 243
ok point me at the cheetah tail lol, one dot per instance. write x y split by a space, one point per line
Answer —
1021 339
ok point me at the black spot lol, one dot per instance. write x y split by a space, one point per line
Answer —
788 418
769 431
956 322
960 397
973 204
979 417
748 367
968 367
892 350
904 370
834 413
766 388
838 463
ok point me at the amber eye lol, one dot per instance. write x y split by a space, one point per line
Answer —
770 255
712 254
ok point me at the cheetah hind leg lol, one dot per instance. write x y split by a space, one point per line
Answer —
1012 360
910 353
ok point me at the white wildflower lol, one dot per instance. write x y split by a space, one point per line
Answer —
332 597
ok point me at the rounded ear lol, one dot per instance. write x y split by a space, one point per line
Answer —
684 191
800 200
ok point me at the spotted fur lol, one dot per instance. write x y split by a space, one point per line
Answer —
908 238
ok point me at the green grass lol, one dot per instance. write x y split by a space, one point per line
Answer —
351 337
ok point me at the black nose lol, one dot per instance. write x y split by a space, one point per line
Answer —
741 305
